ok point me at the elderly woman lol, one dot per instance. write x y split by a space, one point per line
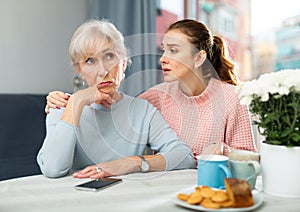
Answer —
100 128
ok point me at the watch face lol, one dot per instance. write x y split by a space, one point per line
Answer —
145 166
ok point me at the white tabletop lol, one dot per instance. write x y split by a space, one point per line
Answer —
137 192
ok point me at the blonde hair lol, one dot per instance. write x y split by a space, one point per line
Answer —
91 36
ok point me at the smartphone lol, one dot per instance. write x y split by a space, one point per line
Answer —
95 185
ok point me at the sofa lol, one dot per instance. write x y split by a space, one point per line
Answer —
22 131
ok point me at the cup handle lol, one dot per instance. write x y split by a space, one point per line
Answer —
226 170
256 167
227 173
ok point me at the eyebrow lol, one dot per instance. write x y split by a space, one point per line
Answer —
170 44
103 51
107 49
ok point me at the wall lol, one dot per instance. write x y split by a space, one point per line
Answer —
34 40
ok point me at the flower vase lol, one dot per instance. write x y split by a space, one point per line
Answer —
280 170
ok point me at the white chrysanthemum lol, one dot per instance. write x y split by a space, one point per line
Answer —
276 83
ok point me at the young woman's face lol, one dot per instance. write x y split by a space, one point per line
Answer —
177 60
103 69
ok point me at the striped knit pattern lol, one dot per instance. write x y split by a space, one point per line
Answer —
215 116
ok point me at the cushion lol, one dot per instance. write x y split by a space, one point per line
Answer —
22 131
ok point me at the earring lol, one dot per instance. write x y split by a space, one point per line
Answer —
79 75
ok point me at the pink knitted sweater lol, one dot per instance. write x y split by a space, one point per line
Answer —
216 115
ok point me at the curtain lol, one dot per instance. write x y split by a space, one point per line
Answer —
136 19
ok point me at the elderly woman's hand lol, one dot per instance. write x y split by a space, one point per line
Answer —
110 168
92 95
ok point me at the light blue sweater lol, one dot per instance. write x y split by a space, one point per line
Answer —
109 134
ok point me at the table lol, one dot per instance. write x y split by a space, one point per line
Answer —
137 192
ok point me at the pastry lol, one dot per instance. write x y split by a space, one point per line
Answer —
239 192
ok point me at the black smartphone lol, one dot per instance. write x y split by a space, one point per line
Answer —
95 185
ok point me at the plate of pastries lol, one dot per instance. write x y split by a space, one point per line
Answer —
237 196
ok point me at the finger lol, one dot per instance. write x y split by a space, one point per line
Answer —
101 97
78 175
59 94
86 172
58 98
51 105
98 175
64 96
88 169
106 104
47 109
56 101
54 94
107 99
60 102
110 100
84 175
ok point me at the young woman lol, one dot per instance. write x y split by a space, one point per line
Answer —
198 97
101 128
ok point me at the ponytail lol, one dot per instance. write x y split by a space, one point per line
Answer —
220 61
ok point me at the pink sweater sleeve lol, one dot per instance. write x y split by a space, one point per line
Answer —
238 134
153 97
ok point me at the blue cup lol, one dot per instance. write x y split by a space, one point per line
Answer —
212 169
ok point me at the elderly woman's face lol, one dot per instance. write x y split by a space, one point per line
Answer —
103 69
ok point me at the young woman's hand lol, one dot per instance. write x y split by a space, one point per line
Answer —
56 99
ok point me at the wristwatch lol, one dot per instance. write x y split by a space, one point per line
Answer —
145 165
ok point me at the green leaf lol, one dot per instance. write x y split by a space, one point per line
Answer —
285 133
296 137
274 142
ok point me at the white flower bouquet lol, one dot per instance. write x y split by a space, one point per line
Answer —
274 100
